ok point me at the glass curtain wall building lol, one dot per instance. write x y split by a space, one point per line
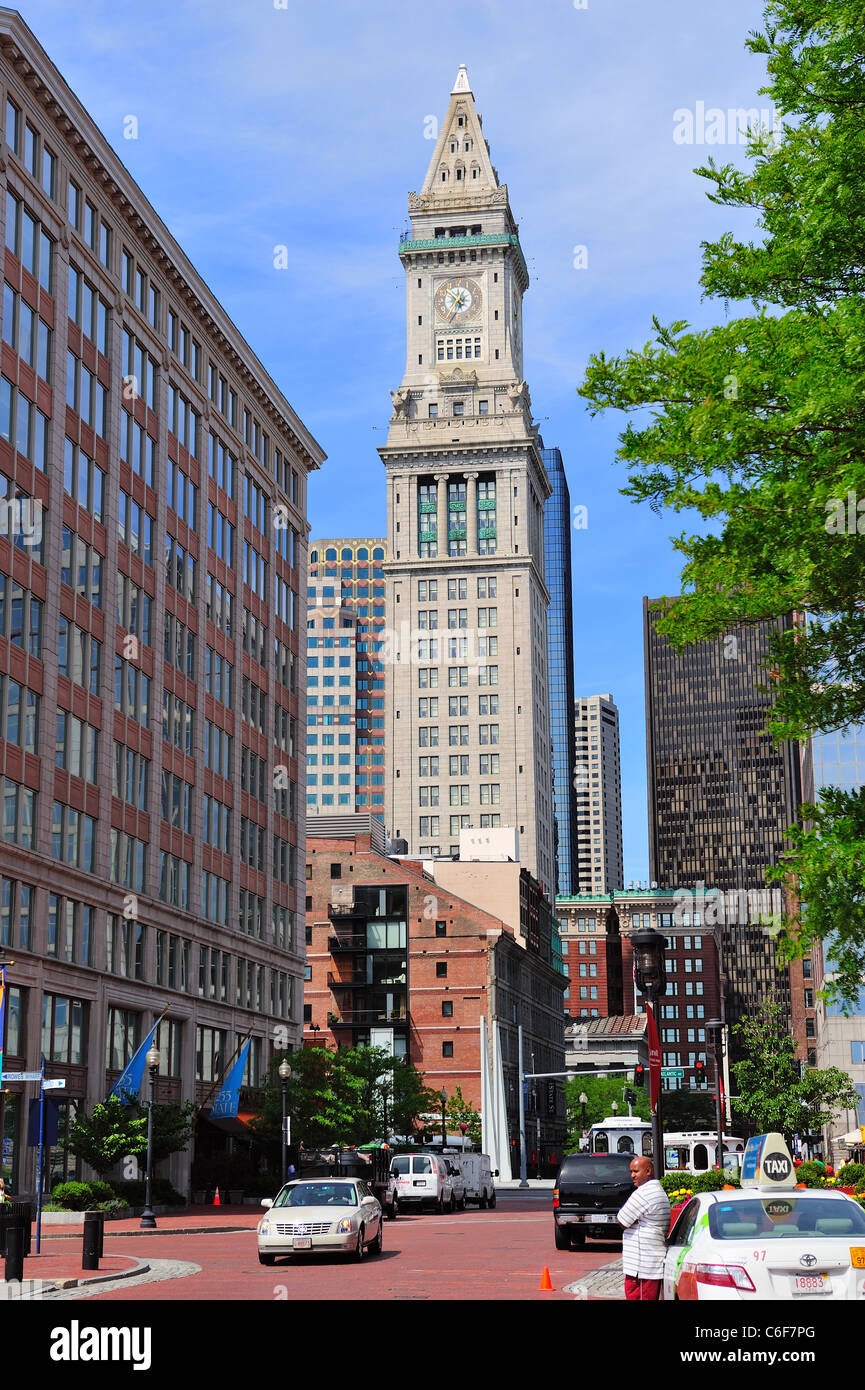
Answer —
721 793
560 661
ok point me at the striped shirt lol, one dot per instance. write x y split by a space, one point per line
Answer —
646 1219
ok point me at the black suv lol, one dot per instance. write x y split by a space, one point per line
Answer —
590 1189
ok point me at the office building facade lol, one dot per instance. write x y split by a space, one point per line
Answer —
598 793
721 794
467 705
560 665
345 677
152 664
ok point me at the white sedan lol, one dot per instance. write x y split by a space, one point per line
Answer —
755 1245
340 1214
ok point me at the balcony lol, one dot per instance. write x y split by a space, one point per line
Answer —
342 943
363 1018
342 911
342 982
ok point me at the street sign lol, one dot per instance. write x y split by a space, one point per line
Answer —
53 1085
286 1132
673 1072
22 1076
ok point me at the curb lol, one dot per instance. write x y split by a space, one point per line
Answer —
164 1231
52 1285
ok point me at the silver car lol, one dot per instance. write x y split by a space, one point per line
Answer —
337 1214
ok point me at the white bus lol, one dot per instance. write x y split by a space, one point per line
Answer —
693 1150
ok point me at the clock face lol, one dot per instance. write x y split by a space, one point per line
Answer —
458 301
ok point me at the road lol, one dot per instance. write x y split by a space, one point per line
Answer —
472 1255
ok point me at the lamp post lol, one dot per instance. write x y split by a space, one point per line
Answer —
148 1220
444 1096
651 980
584 1100
284 1074
715 1028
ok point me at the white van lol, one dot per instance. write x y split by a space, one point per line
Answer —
424 1179
478 1177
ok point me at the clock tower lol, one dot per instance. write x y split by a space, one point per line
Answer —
467 701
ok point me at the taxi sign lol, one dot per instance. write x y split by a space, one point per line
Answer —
767 1163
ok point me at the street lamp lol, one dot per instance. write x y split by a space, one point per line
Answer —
444 1096
615 1107
148 1220
284 1074
715 1027
651 980
584 1100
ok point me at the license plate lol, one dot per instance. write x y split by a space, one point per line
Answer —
419 1182
811 1283
302 1243
857 1256
595 1220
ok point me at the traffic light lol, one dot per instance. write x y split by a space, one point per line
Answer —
638 1075
700 1069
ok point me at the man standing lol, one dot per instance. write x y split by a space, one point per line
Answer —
645 1219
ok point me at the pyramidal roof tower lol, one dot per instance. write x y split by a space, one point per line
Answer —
466 488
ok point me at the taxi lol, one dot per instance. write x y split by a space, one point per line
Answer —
768 1239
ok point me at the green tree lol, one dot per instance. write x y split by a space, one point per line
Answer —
112 1130
340 1097
687 1109
459 1111
600 1092
773 1095
104 1136
757 424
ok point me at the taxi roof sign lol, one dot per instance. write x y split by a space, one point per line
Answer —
767 1163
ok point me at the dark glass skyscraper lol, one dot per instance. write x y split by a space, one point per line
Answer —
560 661
721 793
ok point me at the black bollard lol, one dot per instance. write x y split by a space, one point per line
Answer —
93 1229
15 1251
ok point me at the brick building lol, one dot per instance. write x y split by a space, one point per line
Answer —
151 673
396 960
599 960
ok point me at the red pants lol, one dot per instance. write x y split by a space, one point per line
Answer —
642 1288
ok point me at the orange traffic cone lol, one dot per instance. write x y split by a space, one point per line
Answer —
217 1203
545 1286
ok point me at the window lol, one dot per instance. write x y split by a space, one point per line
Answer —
447 1049
441 969
27 240
76 747
72 835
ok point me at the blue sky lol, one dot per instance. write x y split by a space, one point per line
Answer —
304 127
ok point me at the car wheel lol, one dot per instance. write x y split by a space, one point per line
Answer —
376 1247
562 1239
440 1205
450 1204
393 1210
266 1259
359 1249
483 1201
492 1199
464 1203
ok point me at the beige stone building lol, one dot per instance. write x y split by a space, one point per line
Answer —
467 704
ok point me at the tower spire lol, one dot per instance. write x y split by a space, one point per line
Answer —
462 83
460 163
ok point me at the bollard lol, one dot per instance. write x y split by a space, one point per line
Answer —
94 1228
15 1251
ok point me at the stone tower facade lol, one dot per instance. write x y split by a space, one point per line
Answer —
467 701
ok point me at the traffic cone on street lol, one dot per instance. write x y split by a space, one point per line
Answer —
216 1201
545 1286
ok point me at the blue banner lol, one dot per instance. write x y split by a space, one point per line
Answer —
225 1105
128 1083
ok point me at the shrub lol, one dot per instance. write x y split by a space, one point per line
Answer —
860 1186
114 1206
713 1180
811 1173
78 1196
851 1174
677 1181
164 1195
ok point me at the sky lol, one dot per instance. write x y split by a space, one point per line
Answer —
262 124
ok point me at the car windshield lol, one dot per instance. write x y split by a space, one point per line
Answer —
603 1169
784 1218
403 1164
318 1194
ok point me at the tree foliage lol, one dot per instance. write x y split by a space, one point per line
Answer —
342 1097
773 1095
459 1111
600 1091
112 1130
758 423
